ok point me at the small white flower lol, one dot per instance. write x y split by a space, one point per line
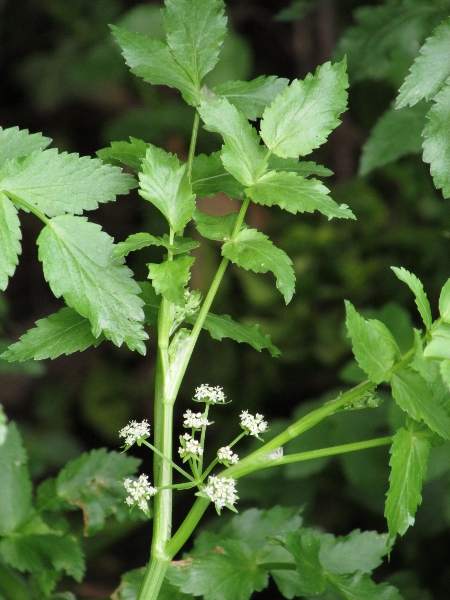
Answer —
135 432
140 492
221 491
254 425
195 420
226 456
209 394
189 447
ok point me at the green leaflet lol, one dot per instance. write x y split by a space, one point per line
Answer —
296 194
125 153
170 277
62 183
15 142
215 228
430 69
253 251
10 236
306 112
409 457
209 177
242 154
137 241
436 146
78 265
439 347
164 183
415 285
305 168
444 302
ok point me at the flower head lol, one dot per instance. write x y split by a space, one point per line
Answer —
226 456
189 448
195 420
140 492
253 425
135 433
221 491
209 394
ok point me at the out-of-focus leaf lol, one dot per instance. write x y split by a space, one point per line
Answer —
436 146
10 236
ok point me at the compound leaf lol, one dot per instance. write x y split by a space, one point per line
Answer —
15 142
436 146
415 285
10 236
302 116
170 277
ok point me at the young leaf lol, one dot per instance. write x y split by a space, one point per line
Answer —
444 302
63 183
415 285
305 168
252 250
409 456
436 146
304 114
209 177
136 241
10 236
63 332
439 347
215 228
15 142
170 277
296 194
430 69
125 153
373 345
242 154
164 183
252 97
153 61
78 265
413 395
195 32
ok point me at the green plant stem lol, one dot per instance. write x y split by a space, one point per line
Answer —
191 155
12 586
27 206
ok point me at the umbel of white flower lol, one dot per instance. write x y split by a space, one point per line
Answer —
140 492
221 491
225 456
254 425
209 394
135 432
195 420
189 448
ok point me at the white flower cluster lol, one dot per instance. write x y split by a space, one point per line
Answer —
254 425
189 446
140 492
221 491
195 420
226 456
135 432
209 394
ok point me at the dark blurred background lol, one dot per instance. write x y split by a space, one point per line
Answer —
61 73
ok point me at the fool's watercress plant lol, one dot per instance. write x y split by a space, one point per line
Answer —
103 302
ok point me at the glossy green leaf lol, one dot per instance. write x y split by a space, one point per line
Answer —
209 177
137 241
439 347
15 142
125 153
306 112
296 194
165 184
215 228
63 183
436 146
252 250
10 236
305 168
170 277
242 153
415 285
409 457
77 260
252 97
430 69
415 397
373 345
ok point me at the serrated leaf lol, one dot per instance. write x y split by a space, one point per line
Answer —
15 142
195 32
305 168
304 545
373 345
444 302
15 483
415 397
360 587
242 153
409 457
306 112
397 133
77 260
153 61
252 97
137 241
444 368
125 153
358 551
209 177
63 332
296 194
215 228
439 347
252 250
170 277
10 236
165 184
430 69
63 183
415 285
436 146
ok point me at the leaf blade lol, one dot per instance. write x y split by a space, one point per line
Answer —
15 142
10 237
436 145
415 285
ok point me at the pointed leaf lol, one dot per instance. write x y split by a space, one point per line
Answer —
242 154
78 265
125 153
170 277
301 118
10 236
63 332
409 457
252 250
439 347
301 167
136 241
15 142
252 97
444 302
296 194
164 183
413 395
63 183
430 69
304 545
195 32
436 146
215 228
209 177
360 587
415 285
